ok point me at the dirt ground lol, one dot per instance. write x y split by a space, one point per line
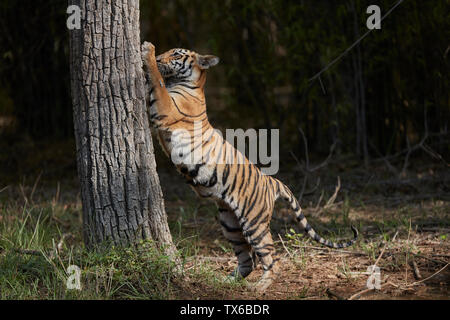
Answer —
401 224
404 226
322 276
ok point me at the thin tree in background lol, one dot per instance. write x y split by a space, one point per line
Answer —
121 194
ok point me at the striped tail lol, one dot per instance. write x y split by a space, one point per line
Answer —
287 195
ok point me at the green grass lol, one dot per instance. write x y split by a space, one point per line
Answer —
31 266
31 269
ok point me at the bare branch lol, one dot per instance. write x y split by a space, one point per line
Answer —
384 159
326 161
306 170
330 201
284 246
313 190
333 197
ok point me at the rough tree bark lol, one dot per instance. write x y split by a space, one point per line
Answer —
121 194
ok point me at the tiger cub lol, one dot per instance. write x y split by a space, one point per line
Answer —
245 197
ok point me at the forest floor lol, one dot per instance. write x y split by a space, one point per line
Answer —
404 229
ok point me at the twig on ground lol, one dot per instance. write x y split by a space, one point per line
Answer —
334 295
356 295
382 252
428 278
415 255
331 251
441 255
330 201
403 287
376 263
53 254
360 293
282 242
430 259
417 274
406 253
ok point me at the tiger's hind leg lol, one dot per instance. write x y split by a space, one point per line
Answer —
259 237
243 251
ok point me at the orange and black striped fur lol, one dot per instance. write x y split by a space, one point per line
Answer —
245 197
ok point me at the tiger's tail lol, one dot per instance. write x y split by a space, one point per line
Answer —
287 195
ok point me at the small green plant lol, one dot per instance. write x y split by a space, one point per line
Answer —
295 238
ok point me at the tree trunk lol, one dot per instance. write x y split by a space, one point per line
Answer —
121 194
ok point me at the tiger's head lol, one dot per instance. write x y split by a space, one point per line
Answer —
182 65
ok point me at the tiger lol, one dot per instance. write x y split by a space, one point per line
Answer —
245 197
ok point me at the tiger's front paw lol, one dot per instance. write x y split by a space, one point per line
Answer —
148 53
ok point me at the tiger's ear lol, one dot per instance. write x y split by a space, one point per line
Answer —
206 61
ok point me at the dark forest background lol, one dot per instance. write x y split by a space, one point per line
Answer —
387 96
